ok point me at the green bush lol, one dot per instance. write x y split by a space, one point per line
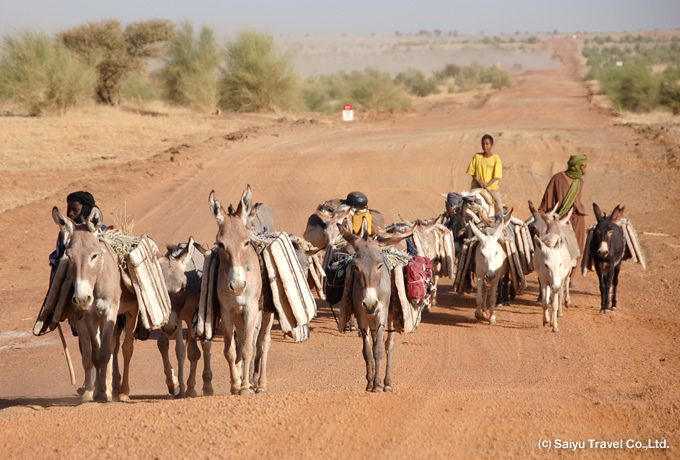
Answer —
42 75
191 69
315 96
416 82
376 90
631 87
257 77
117 52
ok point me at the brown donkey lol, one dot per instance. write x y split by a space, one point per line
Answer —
98 298
371 295
239 285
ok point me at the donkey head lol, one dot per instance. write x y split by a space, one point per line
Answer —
174 265
372 283
608 236
491 255
549 260
233 240
86 255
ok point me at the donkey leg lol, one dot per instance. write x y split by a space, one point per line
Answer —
378 336
480 296
230 353
604 291
163 345
263 344
85 342
389 349
106 360
181 354
250 323
128 350
194 355
368 358
556 302
615 284
491 299
545 301
206 345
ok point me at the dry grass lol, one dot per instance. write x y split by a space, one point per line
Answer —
32 148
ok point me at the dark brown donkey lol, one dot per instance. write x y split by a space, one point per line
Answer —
606 249
98 297
371 292
239 285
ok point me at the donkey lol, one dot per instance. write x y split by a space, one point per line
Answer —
239 286
491 264
371 295
545 223
182 268
552 263
99 296
606 249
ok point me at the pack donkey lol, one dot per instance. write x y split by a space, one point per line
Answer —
491 264
182 268
370 296
552 263
607 249
99 296
239 286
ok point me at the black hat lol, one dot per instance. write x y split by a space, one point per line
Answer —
357 200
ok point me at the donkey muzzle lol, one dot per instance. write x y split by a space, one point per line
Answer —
237 286
603 250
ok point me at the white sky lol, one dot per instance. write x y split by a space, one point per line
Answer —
353 17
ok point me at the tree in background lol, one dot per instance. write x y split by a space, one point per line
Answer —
41 74
117 52
257 77
191 69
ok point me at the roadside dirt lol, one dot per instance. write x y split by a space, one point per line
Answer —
461 388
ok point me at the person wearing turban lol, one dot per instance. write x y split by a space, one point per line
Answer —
78 207
566 188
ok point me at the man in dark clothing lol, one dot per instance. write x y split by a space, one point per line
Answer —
78 208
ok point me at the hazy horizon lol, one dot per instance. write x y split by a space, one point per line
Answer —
357 18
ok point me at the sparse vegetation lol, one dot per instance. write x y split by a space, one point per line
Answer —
257 77
417 83
40 74
191 70
117 52
626 75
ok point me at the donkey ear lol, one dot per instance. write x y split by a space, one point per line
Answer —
185 256
538 243
617 213
64 223
350 237
244 206
364 228
478 233
216 208
94 220
567 216
598 213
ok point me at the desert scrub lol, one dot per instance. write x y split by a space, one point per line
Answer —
257 77
191 69
41 75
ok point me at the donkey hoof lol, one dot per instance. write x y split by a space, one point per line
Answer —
478 315
546 324
613 308
123 398
246 391
191 393
80 391
208 390
556 330
86 396
492 322
560 315
261 391
388 389
604 312
179 395
377 390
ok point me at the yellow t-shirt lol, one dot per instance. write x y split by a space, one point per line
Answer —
486 169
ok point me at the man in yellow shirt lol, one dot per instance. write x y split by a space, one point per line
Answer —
486 170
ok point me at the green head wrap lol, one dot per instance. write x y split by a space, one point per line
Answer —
574 171
574 166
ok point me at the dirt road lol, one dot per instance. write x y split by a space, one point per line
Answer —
461 388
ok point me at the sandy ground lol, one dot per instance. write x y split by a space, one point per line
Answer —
461 388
